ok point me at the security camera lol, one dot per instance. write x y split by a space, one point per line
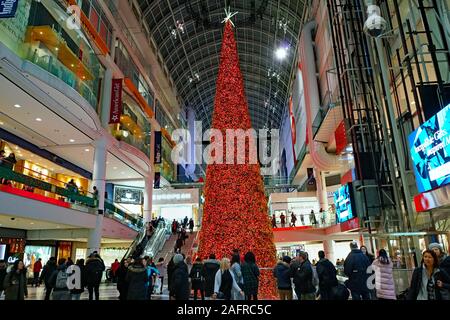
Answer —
375 25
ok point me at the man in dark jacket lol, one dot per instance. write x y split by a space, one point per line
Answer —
197 276
211 266
302 273
137 278
355 268
180 279
47 272
94 273
2 275
281 272
327 277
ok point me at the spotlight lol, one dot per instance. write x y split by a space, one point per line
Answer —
281 53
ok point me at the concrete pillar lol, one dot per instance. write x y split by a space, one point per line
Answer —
112 50
321 189
106 98
148 198
328 248
99 176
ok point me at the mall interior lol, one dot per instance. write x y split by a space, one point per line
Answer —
355 94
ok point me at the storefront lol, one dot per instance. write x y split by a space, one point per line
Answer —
176 204
12 244
35 252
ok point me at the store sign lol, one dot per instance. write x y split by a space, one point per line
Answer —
8 8
157 181
158 147
179 196
174 196
430 152
431 200
128 195
343 202
116 101
341 138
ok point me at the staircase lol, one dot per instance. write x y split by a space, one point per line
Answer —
167 251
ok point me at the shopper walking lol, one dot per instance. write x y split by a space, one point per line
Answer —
293 219
3 273
114 267
162 269
197 276
180 279
426 281
211 266
302 274
384 279
302 219
137 278
323 216
170 270
274 221
327 277
122 285
94 273
283 220
47 272
250 275
15 282
237 273
37 267
185 222
355 268
444 267
225 283
58 282
191 225
76 293
312 218
282 273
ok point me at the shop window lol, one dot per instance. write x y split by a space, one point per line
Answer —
94 18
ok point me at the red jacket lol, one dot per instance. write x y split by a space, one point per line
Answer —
115 266
37 267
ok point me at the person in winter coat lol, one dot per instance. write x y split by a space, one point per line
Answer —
15 283
384 280
444 267
47 272
424 281
197 276
180 279
283 220
122 285
170 269
302 272
224 282
369 256
237 273
282 273
37 267
114 267
327 277
355 268
274 221
58 282
152 273
250 275
293 219
191 225
211 266
94 273
76 293
162 269
2 275
137 278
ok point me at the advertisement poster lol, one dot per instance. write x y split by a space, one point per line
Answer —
116 101
343 203
430 152
128 195
158 147
8 8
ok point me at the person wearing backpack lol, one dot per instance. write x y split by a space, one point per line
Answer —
211 266
224 282
197 276
46 274
355 268
94 273
250 275
76 293
303 275
59 282
326 273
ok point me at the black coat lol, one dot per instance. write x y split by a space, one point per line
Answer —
327 274
121 274
444 266
302 273
94 271
282 273
179 286
197 268
136 278
355 268
83 281
416 284
2 277
15 285
47 272
170 270
211 267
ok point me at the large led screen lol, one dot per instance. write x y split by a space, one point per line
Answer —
343 203
430 152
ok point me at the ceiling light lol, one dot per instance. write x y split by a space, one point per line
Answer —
57 49
38 119
115 168
87 150
16 147
72 65
17 106
31 222
281 53
72 140
1 123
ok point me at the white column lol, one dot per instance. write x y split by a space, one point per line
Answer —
328 248
148 192
106 98
321 189
98 180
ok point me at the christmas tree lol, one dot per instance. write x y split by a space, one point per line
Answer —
235 214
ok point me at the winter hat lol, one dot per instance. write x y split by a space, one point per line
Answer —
178 258
436 245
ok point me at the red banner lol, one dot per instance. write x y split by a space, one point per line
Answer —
341 137
116 101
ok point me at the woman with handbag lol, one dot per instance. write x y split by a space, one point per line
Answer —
225 282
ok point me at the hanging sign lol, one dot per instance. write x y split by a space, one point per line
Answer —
8 8
158 147
116 101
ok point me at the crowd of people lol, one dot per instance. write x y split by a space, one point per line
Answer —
290 220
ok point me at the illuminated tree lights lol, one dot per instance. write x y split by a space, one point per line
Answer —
235 214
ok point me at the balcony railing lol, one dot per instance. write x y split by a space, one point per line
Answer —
124 217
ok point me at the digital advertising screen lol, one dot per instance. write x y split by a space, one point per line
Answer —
430 152
343 203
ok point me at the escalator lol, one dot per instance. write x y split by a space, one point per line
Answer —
149 246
